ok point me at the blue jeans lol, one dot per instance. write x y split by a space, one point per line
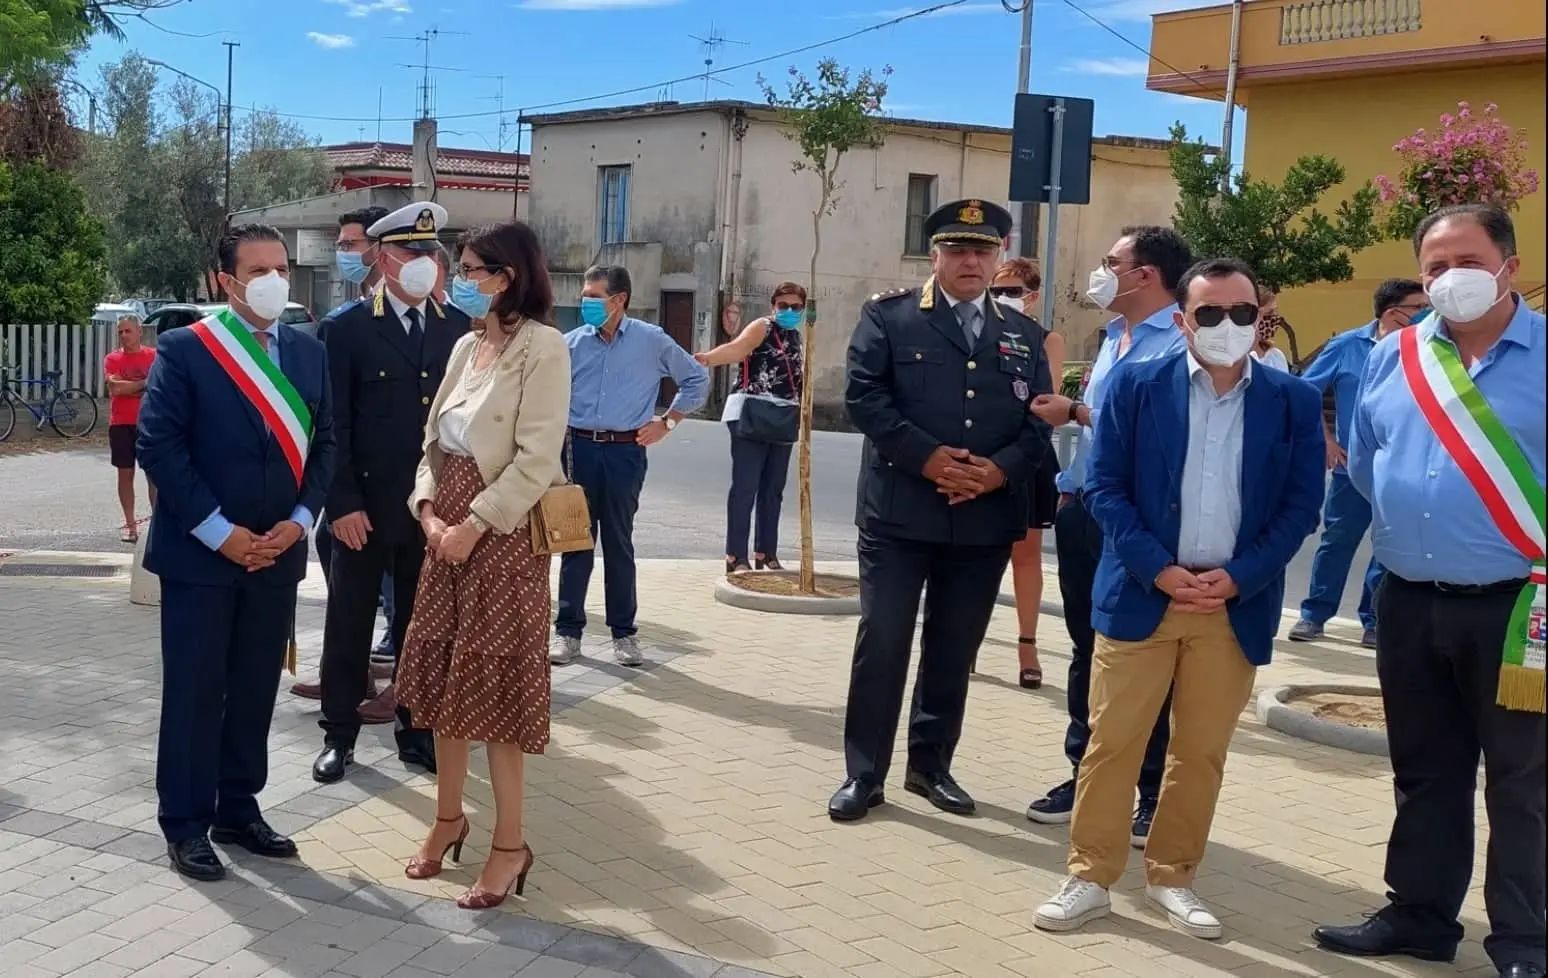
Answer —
758 474
1345 517
612 475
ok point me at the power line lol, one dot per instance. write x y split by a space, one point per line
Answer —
1138 47
657 85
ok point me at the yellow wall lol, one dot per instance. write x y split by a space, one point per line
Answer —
1356 122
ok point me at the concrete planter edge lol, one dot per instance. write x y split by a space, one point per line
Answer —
1277 715
782 604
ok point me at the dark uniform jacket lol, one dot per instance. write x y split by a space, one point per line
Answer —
914 385
382 389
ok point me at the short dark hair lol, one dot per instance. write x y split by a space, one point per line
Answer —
363 216
1495 222
1163 249
1392 293
788 288
1213 268
514 247
233 239
614 277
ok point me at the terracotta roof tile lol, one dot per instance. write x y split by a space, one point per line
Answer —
449 162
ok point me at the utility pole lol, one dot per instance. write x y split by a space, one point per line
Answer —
231 47
1029 220
1230 94
711 44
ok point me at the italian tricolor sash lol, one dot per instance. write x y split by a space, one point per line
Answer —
1499 472
262 383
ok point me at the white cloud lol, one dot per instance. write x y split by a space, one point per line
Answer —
1111 67
593 4
1141 10
889 14
365 8
331 41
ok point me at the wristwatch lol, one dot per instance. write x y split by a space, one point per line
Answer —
670 423
1074 412
477 522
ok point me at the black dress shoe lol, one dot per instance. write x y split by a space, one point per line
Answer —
1381 936
195 859
331 763
257 838
856 797
1521 969
942 790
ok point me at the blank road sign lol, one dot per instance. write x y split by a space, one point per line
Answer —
1032 149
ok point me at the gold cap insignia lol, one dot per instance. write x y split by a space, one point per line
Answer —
971 214
425 221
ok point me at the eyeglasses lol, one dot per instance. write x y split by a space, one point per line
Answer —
1007 291
789 307
1242 314
351 244
466 270
1111 262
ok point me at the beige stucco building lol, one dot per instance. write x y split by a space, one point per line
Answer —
699 201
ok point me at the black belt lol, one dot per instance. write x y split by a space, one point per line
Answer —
1512 586
605 437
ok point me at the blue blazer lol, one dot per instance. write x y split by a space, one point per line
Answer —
204 445
1134 488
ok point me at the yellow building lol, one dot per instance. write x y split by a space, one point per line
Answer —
1348 79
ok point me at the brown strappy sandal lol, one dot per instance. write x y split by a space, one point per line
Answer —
423 869
1032 677
476 899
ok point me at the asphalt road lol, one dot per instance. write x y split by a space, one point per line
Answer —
65 501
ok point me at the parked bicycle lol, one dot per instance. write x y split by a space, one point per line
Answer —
70 411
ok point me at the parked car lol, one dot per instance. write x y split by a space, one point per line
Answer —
176 314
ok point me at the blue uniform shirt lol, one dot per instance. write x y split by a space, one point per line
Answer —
1428 523
1339 366
614 386
215 529
1156 336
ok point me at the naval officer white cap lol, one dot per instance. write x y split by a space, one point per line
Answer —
416 226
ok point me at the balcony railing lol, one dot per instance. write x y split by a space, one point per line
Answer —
1334 20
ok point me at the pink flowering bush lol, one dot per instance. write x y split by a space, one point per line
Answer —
1473 158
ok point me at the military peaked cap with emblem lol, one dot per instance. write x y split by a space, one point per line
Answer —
415 226
968 222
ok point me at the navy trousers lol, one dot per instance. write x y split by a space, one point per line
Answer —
1345 517
222 649
758 474
612 475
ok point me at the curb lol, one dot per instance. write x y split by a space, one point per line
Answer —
1275 715
780 604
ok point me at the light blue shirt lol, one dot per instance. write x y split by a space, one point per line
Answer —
1211 514
216 529
1339 366
1427 522
614 385
1155 336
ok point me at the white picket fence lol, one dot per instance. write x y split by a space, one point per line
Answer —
28 353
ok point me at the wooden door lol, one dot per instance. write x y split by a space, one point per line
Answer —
677 320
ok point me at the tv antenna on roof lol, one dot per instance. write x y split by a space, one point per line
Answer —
498 98
426 86
714 42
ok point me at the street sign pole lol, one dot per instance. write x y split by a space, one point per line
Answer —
1055 166
1027 221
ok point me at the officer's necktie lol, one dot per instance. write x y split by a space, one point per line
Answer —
969 315
416 332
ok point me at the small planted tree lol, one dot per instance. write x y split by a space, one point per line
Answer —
1473 158
1277 229
826 117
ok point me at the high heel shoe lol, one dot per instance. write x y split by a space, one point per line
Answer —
423 869
735 565
1032 676
767 563
476 899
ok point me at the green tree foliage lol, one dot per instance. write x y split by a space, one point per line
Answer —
1278 229
36 37
50 247
826 117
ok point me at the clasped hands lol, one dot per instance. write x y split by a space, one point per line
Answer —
1201 593
961 475
453 544
254 551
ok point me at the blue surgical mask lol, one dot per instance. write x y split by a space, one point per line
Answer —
465 295
787 318
351 266
593 312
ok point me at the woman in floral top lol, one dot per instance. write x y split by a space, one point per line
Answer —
769 353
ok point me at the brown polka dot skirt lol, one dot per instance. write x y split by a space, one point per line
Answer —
475 663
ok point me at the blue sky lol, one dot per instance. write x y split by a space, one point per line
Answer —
337 58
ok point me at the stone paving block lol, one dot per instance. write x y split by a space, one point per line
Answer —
448 955
172 966
378 959
547 967
98 969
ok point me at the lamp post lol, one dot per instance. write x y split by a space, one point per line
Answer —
91 103
225 102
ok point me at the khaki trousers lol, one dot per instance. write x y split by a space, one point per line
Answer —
1197 656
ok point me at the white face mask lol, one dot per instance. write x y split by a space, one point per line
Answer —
1102 286
266 295
1017 304
1223 345
417 277
1461 295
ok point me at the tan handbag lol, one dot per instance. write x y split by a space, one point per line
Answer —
561 520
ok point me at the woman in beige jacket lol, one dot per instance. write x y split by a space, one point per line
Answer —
474 665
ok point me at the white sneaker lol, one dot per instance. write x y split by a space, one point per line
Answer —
627 651
564 649
1077 902
1184 910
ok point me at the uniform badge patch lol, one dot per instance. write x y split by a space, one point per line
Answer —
1020 389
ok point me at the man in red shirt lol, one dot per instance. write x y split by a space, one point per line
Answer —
126 369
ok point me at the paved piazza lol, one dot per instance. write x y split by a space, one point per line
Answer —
678 821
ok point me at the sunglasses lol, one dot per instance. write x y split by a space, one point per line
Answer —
789 307
1242 314
1007 291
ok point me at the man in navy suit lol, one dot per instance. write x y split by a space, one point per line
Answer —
1206 475
236 430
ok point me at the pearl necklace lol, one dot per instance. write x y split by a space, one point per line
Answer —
473 377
